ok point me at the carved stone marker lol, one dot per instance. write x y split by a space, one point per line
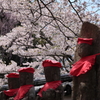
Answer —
13 85
53 89
26 90
86 69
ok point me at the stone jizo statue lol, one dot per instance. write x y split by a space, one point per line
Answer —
13 85
52 90
26 90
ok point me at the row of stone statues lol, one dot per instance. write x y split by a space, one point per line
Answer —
21 86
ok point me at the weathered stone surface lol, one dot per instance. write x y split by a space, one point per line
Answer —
86 86
52 74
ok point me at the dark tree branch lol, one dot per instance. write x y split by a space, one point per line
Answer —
67 27
46 25
75 11
39 7
55 19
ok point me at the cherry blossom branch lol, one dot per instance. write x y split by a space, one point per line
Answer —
56 19
75 11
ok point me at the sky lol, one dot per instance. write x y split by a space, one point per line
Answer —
89 8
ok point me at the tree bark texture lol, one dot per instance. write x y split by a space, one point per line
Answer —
87 86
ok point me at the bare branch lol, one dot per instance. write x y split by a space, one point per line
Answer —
75 11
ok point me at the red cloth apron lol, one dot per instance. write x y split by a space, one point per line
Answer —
83 65
22 91
49 85
11 92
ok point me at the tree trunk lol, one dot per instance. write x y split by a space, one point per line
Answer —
86 86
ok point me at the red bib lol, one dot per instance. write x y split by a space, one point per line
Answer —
49 85
22 91
11 92
83 65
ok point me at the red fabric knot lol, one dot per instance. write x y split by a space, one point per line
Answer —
51 63
26 69
22 91
13 75
49 85
11 92
83 65
85 40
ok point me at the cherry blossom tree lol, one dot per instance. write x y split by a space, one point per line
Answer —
45 29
